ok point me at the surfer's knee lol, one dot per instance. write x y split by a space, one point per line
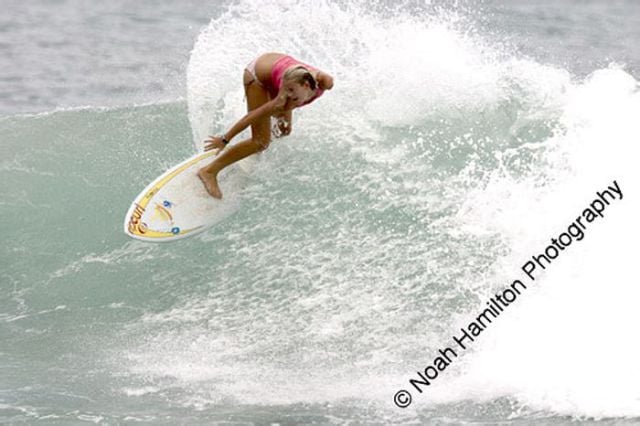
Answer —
261 143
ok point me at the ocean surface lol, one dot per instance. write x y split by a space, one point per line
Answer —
458 140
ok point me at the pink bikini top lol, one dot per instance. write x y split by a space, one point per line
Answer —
277 72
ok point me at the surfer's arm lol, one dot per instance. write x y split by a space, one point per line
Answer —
267 109
218 142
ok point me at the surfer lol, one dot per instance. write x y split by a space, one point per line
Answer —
274 84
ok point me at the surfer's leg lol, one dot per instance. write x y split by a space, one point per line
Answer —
260 139
260 131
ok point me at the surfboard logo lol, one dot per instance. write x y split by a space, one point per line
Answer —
136 226
162 213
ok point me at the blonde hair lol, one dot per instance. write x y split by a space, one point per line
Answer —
299 75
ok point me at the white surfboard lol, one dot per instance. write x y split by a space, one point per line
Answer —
176 204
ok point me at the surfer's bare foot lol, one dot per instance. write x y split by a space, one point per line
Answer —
210 182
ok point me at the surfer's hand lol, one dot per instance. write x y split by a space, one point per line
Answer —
283 104
214 142
284 126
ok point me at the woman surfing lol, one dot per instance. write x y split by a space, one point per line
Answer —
274 84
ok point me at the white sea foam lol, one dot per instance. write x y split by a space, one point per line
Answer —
568 347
